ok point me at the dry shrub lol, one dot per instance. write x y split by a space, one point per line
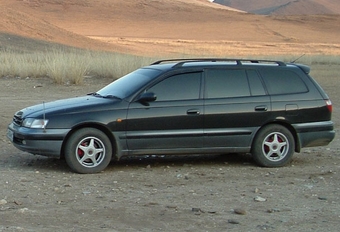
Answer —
114 65
66 67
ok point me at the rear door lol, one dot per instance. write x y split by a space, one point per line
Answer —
235 106
174 121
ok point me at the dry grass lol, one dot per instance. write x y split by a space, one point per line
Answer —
70 66
114 65
64 67
219 48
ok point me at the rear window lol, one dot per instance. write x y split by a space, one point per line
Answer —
280 81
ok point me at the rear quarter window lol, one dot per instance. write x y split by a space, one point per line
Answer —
280 81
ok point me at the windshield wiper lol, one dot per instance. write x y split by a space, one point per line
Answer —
111 96
94 94
106 96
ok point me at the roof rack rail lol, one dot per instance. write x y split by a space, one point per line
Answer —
183 61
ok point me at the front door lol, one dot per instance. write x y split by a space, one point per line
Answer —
173 121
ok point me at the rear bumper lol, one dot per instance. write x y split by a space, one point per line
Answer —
314 134
37 141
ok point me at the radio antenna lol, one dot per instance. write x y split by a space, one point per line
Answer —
297 58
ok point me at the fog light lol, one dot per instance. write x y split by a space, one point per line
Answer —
23 142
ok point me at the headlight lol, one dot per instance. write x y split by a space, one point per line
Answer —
35 123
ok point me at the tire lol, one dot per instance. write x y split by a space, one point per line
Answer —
273 146
88 150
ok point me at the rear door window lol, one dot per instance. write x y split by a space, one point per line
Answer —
256 86
224 83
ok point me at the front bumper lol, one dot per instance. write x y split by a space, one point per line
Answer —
46 142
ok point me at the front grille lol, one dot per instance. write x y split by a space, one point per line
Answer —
17 119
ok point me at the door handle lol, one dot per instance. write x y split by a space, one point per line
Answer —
193 112
261 108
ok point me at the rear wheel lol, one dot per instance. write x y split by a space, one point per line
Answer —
88 150
273 146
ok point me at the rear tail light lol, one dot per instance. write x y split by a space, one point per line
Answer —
329 105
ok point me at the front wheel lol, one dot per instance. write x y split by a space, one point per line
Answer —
273 146
88 150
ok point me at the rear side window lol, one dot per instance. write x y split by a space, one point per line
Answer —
223 83
283 82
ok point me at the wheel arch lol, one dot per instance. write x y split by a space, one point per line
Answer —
98 126
297 147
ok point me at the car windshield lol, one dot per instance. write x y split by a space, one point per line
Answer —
130 83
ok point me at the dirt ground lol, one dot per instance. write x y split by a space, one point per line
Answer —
196 193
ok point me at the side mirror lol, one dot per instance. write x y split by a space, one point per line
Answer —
147 97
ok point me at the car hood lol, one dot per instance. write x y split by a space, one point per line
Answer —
68 106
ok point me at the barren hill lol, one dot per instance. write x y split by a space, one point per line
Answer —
171 26
284 7
298 7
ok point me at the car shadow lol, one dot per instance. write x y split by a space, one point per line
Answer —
45 164
180 160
